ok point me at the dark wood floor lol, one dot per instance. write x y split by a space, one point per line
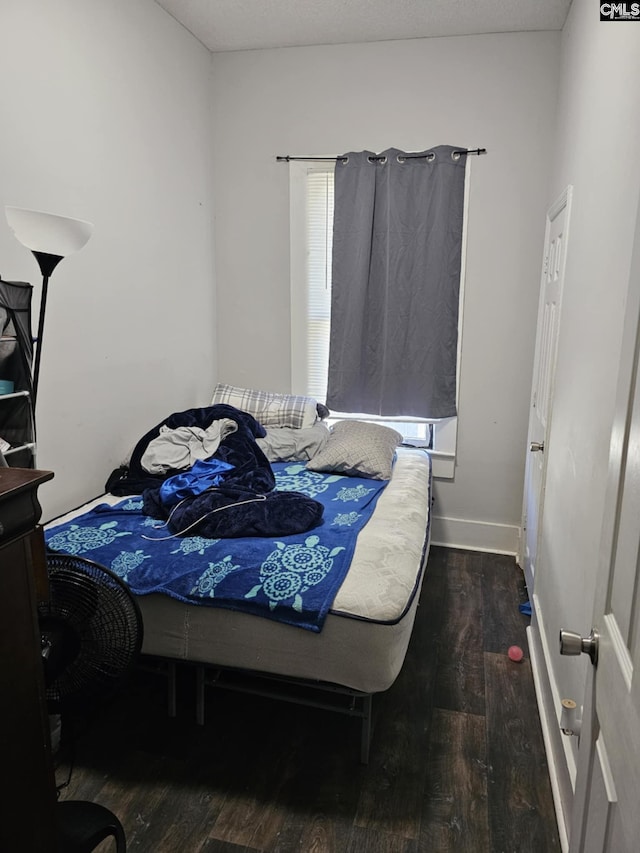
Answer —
457 760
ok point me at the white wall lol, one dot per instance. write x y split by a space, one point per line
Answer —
106 116
108 119
597 152
495 91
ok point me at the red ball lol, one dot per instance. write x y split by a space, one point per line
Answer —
515 653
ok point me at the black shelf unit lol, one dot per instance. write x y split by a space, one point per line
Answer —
17 421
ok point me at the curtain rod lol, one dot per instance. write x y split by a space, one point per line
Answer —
287 158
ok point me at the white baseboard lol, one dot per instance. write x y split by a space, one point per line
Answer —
560 758
475 535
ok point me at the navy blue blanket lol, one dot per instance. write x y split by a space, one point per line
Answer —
243 504
293 579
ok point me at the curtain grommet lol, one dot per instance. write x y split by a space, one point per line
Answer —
455 155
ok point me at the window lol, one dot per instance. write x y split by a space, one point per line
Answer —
311 211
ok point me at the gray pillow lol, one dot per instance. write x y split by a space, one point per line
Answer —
286 444
358 449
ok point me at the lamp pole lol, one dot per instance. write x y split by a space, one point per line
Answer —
47 263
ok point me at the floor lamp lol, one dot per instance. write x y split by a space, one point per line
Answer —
50 238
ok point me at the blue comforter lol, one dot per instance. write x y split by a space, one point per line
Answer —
293 579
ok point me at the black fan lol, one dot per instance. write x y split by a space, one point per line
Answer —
91 635
91 631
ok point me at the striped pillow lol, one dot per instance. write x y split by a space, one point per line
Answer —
270 409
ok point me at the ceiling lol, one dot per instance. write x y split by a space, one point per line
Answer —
223 25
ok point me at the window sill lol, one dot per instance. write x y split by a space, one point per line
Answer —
443 465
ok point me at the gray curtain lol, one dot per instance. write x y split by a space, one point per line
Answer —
397 245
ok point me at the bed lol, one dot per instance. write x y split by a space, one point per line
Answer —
356 646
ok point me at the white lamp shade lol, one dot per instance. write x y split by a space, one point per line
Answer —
48 232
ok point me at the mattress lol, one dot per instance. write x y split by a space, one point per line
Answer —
366 633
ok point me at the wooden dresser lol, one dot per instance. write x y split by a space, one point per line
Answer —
27 792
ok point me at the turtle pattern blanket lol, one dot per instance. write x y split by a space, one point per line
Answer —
293 579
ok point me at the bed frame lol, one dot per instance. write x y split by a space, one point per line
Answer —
324 696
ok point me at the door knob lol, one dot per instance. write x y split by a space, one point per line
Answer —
573 644
536 446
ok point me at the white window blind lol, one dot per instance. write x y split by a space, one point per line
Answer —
320 245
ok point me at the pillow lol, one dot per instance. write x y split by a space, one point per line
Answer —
284 444
358 449
283 410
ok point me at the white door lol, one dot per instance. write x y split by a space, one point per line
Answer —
606 816
552 280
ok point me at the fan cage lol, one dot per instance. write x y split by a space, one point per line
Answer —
92 626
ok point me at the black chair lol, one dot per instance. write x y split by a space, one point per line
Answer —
83 825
